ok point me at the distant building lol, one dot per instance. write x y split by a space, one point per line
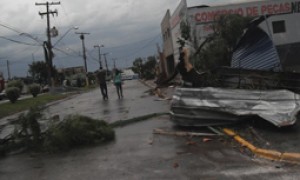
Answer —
71 70
128 74
282 27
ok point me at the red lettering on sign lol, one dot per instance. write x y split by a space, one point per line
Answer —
287 7
198 17
276 8
252 11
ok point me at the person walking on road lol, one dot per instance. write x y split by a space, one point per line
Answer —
101 76
118 83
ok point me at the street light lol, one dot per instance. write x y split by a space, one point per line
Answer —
74 27
99 46
31 37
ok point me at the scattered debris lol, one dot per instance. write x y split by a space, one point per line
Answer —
181 133
180 153
175 165
191 143
215 130
71 132
219 106
206 139
163 99
255 133
150 141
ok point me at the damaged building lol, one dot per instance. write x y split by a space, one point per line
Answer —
281 26
263 76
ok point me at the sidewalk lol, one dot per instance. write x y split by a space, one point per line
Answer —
136 102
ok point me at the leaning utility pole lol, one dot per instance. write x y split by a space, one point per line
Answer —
99 46
8 70
105 61
83 49
114 59
48 43
84 54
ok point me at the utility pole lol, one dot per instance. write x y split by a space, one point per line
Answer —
114 59
48 43
33 57
84 54
105 61
8 70
99 46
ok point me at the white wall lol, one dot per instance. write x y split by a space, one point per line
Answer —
287 10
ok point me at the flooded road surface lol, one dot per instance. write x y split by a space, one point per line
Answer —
136 102
137 153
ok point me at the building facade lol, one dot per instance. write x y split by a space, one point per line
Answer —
167 57
72 70
282 25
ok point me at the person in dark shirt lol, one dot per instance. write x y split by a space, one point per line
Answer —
101 76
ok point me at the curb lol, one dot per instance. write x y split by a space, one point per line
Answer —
265 153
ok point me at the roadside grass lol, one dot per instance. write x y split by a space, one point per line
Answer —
9 108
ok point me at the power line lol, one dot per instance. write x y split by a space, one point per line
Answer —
93 58
64 52
13 29
19 42
140 49
133 42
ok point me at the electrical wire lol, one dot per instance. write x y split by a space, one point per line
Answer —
140 49
6 26
19 42
137 42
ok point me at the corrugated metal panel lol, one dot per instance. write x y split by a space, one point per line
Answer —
256 50
216 106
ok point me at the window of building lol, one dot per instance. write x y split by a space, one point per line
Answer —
278 27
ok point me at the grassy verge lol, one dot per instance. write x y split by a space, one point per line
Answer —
9 108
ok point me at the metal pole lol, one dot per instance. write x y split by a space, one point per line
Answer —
114 63
84 53
105 61
100 63
84 56
48 43
99 46
8 70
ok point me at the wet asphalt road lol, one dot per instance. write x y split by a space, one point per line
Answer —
137 153
136 102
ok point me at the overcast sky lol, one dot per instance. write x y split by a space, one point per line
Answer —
127 28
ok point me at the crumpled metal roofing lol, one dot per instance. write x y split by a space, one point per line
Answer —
255 50
218 106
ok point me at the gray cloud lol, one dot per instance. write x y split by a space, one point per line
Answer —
127 28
